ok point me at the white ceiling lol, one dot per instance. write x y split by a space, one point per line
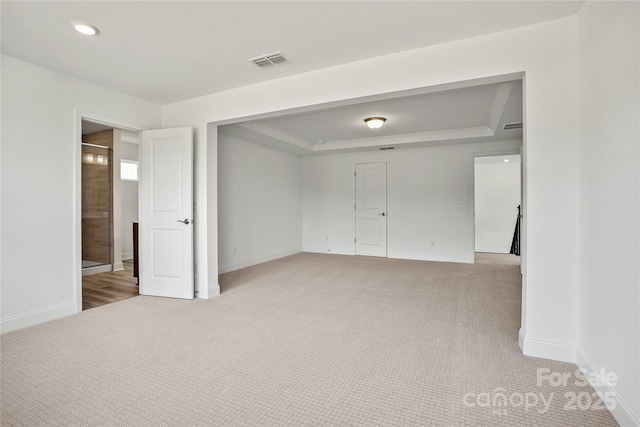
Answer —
468 115
170 51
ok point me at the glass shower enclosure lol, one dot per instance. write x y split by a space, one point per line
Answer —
97 209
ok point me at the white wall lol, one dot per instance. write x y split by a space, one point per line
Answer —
260 203
547 53
497 196
425 185
117 200
40 205
609 221
129 202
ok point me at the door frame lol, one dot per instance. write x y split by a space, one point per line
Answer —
386 240
507 152
77 187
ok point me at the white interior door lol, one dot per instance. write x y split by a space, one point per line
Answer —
371 209
166 212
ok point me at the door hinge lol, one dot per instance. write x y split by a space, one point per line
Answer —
354 173
354 206
354 240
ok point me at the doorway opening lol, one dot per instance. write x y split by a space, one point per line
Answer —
97 202
497 206
109 209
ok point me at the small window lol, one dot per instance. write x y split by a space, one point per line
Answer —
128 170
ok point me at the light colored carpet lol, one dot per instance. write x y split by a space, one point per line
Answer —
311 339
489 258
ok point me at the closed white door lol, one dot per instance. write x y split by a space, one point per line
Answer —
166 213
371 209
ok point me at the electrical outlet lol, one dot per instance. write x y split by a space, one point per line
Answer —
432 243
235 250
326 238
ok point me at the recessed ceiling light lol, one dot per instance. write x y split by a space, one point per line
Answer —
506 160
320 141
375 122
83 28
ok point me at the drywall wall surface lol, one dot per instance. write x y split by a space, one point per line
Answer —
129 206
40 166
259 203
429 201
609 221
497 196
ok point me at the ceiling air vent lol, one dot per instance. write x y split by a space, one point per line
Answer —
267 61
387 148
514 125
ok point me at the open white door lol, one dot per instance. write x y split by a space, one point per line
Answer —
166 212
371 209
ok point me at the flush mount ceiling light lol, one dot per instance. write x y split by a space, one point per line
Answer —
84 28
506 160
375 122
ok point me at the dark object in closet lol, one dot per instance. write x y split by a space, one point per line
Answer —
135 252
515 243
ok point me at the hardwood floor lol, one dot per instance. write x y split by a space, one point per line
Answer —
104 288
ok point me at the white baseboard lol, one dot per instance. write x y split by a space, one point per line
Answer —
127 255
209 292
97 269
621 412
329 252
521 340
118 266
35 317
244 264
549 349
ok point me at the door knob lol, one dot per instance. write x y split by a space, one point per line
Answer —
383 214
184 221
